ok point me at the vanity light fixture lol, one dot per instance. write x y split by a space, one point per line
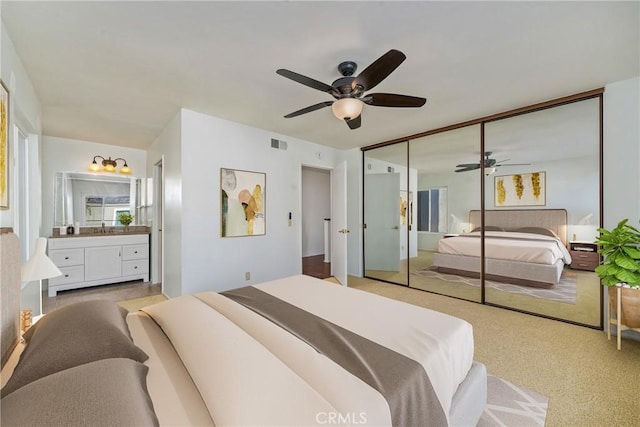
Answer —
109 165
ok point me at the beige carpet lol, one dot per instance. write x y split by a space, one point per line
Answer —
587 380
137 303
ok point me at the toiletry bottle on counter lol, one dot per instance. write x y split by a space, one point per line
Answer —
63 230
70 229
76 227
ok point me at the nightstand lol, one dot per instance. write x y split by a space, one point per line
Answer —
584 255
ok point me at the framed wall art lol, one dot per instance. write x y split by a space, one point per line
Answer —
242 203
4 146
525 189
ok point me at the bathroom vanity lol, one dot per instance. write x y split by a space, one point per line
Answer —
98 259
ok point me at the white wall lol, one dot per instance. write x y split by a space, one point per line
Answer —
70 155
210 262
24 112
622 152
316 206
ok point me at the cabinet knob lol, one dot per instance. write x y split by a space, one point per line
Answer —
135 252
66 275
66 257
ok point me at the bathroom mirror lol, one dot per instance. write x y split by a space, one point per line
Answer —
93 199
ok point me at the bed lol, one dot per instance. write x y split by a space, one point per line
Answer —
293 351
524 247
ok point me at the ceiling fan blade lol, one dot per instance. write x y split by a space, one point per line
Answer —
309 109
513 164
378 70
354 123
393 100
307 81
468 165
467 169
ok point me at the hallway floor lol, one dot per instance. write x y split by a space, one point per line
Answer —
316 267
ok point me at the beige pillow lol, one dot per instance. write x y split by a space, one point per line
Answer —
74 335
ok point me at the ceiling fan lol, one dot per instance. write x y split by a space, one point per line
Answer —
349 91
489 163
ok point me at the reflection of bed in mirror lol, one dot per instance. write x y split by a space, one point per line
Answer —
524 247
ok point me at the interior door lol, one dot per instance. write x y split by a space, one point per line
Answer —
339 222
382 219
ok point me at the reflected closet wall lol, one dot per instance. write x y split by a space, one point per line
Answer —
509 170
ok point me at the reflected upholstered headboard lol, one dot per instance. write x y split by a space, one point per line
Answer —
511 219
10 291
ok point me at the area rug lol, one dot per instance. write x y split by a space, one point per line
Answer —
511 406
564 291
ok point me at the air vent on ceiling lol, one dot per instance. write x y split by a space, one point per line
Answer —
278 144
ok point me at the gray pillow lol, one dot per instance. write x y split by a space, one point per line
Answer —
110 392
488 228
74 335
538 230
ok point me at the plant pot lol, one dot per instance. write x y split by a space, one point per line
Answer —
630 305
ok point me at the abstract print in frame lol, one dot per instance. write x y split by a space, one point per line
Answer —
525 189
4 146
242 203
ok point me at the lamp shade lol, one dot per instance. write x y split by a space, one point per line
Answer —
39 266
347 108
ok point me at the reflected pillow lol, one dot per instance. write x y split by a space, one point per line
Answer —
537 230
489 228
74 335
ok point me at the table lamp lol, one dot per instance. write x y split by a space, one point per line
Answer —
39 267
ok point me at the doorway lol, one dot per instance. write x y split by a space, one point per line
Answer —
157 246
315 222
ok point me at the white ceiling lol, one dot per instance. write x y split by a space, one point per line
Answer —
117 72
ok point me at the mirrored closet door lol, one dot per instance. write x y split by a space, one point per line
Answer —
543 193
388 214
448 182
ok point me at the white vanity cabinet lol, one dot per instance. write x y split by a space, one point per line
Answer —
98 260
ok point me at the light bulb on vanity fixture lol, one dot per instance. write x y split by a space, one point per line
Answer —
109 165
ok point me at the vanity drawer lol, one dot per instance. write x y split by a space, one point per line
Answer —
69 275
130 252
130 268
64 257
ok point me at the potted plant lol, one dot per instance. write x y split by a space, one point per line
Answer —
620 267
125 218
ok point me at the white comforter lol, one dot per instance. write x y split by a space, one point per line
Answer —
250 371
524 247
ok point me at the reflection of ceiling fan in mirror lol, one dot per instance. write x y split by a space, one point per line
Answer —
490 164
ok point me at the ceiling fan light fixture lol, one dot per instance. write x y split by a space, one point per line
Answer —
347 108
489 171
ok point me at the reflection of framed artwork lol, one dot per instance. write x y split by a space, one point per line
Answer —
4 146
242 203
404 205
526 189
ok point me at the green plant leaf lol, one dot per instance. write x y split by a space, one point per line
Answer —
632 252
627 263
625 276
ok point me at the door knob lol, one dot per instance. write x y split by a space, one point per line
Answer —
343 231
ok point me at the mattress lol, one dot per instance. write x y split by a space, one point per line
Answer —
236 358
510 246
